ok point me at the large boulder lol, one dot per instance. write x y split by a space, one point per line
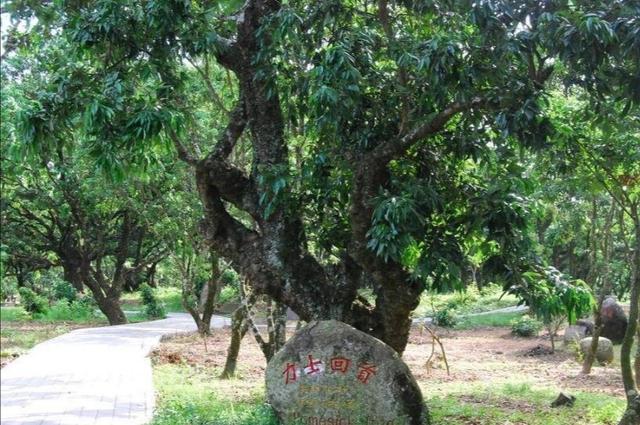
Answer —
573 334
604 352
614 321
330 373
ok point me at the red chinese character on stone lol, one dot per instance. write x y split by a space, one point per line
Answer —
290 373
365 372
313 368
340 364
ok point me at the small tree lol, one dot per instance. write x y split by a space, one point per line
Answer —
242 320
554 298
154 309
32 302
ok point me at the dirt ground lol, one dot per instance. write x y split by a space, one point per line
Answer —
484 356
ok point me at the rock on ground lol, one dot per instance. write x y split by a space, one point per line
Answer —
329 372
574 333
604 353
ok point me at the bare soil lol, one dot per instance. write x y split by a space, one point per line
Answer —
494 355
486 356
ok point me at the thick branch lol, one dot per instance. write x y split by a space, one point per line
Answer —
395 148
183 154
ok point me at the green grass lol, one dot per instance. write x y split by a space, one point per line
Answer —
519 403
171 297
57 313
20 331
470 301
190 395
25 339
16 340
192 398
487 320
13 314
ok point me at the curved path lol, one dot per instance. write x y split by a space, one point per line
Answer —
89 376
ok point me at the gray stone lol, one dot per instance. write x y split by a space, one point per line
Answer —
587 324
564 400
614 321
604 353
573 334
332 374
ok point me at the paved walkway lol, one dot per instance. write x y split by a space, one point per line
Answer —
93 376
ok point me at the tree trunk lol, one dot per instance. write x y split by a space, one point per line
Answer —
207 304
209 295
632 413
590 356
111 308
280 322
73 276
604 290
637 361
628 380
239 327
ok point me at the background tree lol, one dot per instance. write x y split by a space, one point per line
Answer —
605 149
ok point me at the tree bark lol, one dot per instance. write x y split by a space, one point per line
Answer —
72 275
239 327
590 355
631 415
110 306
630 384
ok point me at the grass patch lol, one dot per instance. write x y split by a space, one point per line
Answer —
60 312
16 340
13 314
188 398
19 331
170 297
488 320
519 403
76 312
470 301
189 395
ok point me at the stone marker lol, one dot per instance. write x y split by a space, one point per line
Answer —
604 352
329 373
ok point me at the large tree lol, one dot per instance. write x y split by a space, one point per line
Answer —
382 135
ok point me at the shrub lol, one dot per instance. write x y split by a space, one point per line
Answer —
153 308
229 294
445 318
230 278
464 298
76 311
14 314
32 302
8 288
525 326
63 290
